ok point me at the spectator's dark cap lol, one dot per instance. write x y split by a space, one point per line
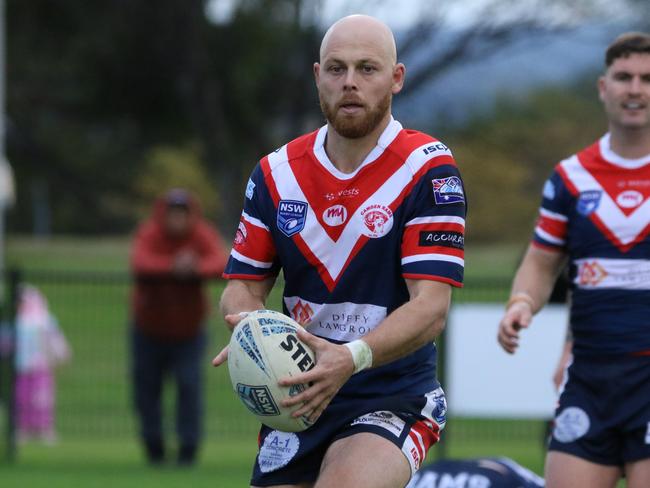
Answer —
178 198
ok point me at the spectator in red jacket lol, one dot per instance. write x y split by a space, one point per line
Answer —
173 254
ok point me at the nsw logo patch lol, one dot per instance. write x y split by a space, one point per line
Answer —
588 202
448 190
291 216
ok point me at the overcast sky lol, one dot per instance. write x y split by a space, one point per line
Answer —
399 14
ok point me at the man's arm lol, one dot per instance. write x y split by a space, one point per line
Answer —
531 290
405 330
239 297
243 296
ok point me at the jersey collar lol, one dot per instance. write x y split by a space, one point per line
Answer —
613 158
385 139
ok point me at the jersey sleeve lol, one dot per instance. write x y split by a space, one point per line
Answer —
253 255
433 242
552 222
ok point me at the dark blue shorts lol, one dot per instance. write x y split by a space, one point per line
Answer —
413 424
604 410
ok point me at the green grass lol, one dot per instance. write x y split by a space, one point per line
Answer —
118 463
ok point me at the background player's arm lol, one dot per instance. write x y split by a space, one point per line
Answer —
405 330
531 290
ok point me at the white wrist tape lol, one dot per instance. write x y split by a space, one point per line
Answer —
361 354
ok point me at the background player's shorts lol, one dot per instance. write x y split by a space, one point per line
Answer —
604 411
412 423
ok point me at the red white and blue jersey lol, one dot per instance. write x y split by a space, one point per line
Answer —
596 208
347 242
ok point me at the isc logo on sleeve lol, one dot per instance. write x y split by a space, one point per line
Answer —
291 216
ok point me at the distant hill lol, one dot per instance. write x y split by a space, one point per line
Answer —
531 61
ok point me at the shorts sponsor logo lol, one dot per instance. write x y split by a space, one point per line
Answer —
377 220
571 424
448 190
335 215
629 199
588 202
291 216
277 450
241 234
250 189
647 434
257 399
442 238
384 419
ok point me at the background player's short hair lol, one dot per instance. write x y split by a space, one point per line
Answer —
626 44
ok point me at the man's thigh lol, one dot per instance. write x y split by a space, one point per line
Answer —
568 471
638 474
364 460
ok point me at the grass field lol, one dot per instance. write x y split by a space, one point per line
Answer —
87 284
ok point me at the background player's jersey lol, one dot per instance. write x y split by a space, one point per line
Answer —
346 242
596 207
475 473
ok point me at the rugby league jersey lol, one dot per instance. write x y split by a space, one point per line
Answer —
596 208
346 242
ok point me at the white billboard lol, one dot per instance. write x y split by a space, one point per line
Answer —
485 381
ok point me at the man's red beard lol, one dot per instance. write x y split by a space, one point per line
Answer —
355 127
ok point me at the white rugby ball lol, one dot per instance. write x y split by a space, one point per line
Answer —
264 347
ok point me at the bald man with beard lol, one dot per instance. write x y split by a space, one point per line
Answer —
366 221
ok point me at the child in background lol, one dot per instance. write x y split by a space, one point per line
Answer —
40 347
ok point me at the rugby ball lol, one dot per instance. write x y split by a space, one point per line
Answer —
264 347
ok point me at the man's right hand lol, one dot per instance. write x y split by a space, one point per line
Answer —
517 316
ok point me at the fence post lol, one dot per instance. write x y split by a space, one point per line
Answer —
14 277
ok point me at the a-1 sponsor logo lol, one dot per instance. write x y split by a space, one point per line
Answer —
438 146
442 238
291 216
298 352
335 215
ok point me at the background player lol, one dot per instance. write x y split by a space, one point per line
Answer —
596 212
366 221
475 473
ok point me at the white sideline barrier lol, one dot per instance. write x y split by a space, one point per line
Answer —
484 381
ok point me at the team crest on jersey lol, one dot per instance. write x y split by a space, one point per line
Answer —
588 202
291 216
377 220
448 190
